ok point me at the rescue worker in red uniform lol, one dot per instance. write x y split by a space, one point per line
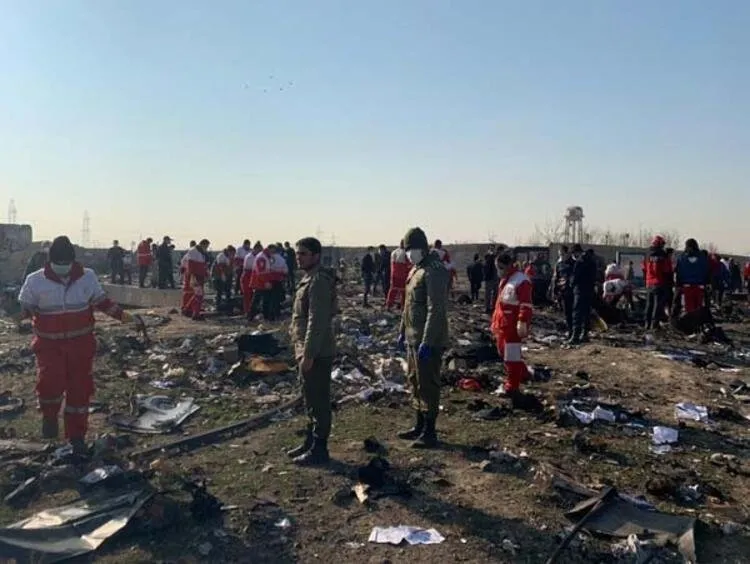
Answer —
746 278
400 267
510 322
196 273
239 264
657 269
187 292
260 283
221 273
144 257
247 275
445 257
60 299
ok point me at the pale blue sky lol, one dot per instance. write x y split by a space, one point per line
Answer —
463 117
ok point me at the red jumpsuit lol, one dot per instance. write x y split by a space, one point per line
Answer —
746 275
247 274
187 292
143 254
64 343
513 305
196 272
400 267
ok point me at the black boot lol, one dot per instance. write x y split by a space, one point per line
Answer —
317 454
50 428
415 431
305 446
428 438
79 447
575 339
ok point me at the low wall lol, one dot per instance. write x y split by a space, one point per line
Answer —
143 297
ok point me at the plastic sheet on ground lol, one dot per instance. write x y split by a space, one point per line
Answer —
662 439
412 535
73 530
588 417
619 518
690 411
157 414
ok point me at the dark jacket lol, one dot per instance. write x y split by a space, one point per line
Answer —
490 269
368 266
115 255
692 268
564 274
164 255
583 277
475 272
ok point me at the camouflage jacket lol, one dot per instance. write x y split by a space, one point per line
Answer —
315 305
425 315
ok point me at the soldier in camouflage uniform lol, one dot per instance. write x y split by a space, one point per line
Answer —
424 332
312 335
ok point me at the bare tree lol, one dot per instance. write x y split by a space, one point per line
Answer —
672 238
550 232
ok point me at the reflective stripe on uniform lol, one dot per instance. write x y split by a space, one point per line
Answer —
49 401
76 410
65 334
512 352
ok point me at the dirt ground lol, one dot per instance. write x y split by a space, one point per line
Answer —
509 514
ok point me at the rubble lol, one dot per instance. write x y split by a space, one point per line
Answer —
596 410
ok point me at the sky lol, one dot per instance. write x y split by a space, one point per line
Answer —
355 119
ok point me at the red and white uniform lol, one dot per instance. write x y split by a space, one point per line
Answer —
614 288
196 272
247 273
222 267
614 272
445 257
513 305
400 267
62 314
530 271
279 268
261 276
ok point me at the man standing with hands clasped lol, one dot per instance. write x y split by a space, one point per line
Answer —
424 334
312 335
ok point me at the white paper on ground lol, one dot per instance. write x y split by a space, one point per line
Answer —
412 535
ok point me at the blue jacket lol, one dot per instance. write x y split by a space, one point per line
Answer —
692 269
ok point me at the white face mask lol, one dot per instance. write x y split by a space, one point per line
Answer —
61 269
415 256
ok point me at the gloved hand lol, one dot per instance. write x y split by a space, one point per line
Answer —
401 342
522 328
424 352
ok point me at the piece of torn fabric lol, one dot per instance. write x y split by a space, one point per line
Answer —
619 518
157 414
72 530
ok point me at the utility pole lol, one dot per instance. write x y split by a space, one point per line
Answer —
86 230
12 212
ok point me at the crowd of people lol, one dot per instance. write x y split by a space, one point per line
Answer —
60 298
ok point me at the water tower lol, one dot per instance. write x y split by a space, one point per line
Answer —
574 225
